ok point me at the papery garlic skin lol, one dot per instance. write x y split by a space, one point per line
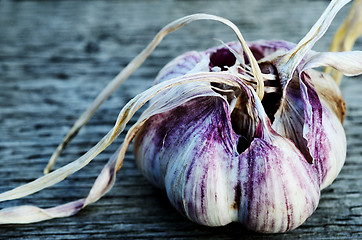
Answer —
274 184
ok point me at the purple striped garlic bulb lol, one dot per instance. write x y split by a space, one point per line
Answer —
232 157
243 132
240 157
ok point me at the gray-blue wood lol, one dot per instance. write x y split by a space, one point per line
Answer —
56 56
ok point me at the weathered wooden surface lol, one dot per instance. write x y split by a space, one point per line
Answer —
55 56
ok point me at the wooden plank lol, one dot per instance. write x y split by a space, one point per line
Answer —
55 56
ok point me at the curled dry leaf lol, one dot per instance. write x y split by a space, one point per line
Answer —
346 35
244 132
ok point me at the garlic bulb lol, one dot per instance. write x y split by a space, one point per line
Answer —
256 162
244 132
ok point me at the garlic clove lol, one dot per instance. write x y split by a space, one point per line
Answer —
279 188
324 133
196 179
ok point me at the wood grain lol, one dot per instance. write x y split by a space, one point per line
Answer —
55 56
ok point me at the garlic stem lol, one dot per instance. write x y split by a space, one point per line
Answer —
123 118
288 62
137 61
